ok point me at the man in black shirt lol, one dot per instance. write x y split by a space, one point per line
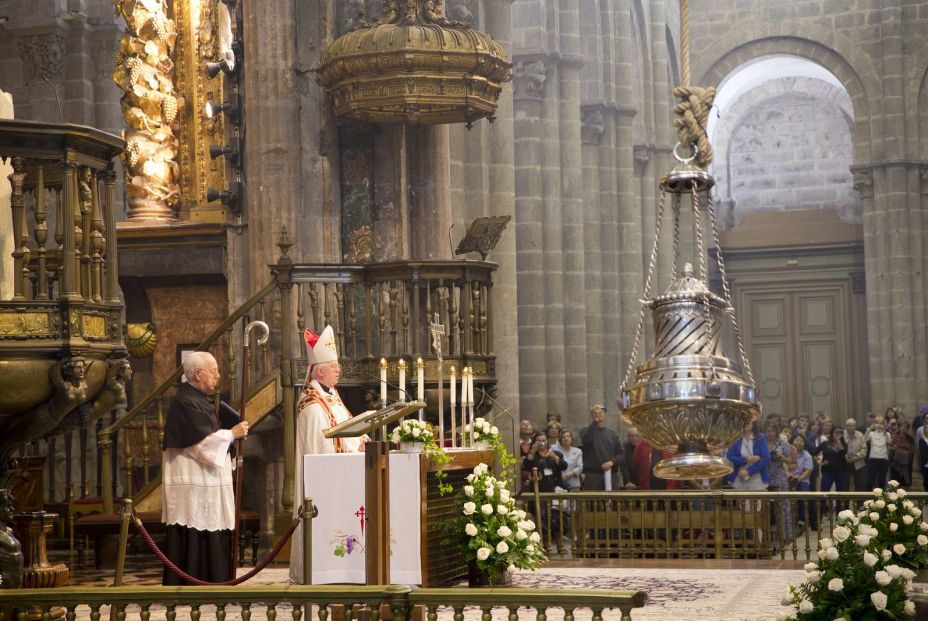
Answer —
602 452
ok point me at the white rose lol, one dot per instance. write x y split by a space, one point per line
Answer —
486 509
886 554
915 511
899 548
907 519
880 504
835 584
416 432
832 553
787 599
504 495
891 507
529 525
511 568
893 496
810 567
922 540
503 531
534 537
520 514
483 553
907 573
894 571
883 578
893 526
841 533
494 431
846 514
901 493
870 559
862 540
879 600
923 526
877 491
893 483
910 608
805 606
502 509
825 543
470 478
469 508
470 529
480 469
521 535
813 577
530 548
865 529
868 504
875 516
468 490
502 547
821 555
862 513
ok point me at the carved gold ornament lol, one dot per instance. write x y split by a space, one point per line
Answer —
141 339
414 66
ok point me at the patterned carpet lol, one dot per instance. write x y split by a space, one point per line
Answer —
678 594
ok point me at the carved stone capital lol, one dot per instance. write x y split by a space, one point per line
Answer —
529 78
592 125
863 182
43 57
641 154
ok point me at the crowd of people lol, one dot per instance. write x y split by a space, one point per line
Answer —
802 453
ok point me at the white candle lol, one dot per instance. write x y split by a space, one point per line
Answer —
470 385
464 385
383 380
420 379
402 368
454 387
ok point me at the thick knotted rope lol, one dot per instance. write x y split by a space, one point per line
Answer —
691 117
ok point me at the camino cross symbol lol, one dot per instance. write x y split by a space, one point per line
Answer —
360 514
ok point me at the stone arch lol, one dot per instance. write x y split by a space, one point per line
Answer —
832 51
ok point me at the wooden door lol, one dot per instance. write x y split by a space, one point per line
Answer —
798 338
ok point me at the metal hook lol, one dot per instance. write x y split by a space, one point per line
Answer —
266 331
685 160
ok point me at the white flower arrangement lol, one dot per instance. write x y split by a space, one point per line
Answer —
413 430
492 531
866 565
483 430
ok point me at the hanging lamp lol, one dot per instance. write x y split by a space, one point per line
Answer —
689 396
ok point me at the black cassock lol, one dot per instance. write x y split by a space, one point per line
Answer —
205 554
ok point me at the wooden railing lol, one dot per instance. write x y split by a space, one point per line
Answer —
396 602
691 524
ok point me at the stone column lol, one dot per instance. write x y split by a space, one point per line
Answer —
528 91
501 194
429 216
43 58
596 256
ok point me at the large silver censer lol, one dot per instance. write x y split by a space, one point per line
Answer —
689 397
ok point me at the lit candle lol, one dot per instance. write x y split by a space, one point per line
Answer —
420 385
383 380
464 385
402 367
454 387
470 385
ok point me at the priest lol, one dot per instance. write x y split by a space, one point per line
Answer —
198 508
318 409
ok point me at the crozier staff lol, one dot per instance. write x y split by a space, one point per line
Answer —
318 409
199 505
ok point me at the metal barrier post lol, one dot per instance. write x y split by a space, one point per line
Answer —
125 515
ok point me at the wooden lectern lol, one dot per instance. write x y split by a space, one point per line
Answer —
376 480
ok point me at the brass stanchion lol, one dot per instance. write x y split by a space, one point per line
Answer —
125 515
309 512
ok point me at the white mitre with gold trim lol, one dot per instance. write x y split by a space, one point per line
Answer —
321 346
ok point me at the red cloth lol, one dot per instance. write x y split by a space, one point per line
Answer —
642 459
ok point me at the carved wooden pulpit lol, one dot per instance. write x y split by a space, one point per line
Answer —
376 480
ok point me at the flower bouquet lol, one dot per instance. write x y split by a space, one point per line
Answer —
412 431
866 565
496 537
486 437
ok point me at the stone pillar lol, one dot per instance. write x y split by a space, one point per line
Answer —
597 255
528 90
501 195
43 58
429 216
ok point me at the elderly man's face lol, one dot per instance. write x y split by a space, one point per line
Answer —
526 427
208 375
850 426
633 436
599 415
329 373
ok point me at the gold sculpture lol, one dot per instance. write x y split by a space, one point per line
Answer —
144 70
414 66
141 338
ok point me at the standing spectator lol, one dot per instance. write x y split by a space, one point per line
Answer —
868 423
781 461
645 458
750 456
799 480
813 439
553 434
878 458
835 469
550 463
602 452
573 456
629 468
856 454
901 453
923 457
793 428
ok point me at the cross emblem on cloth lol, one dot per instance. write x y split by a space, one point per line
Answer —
360 514
437 330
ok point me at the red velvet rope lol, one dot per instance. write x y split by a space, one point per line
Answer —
196 581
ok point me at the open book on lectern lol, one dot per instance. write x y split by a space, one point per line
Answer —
372 420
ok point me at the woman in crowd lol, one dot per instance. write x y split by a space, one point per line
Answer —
574 459
781 460
550 463
750 456
901 453
835 471
813 439
799 477
878 440
553 434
